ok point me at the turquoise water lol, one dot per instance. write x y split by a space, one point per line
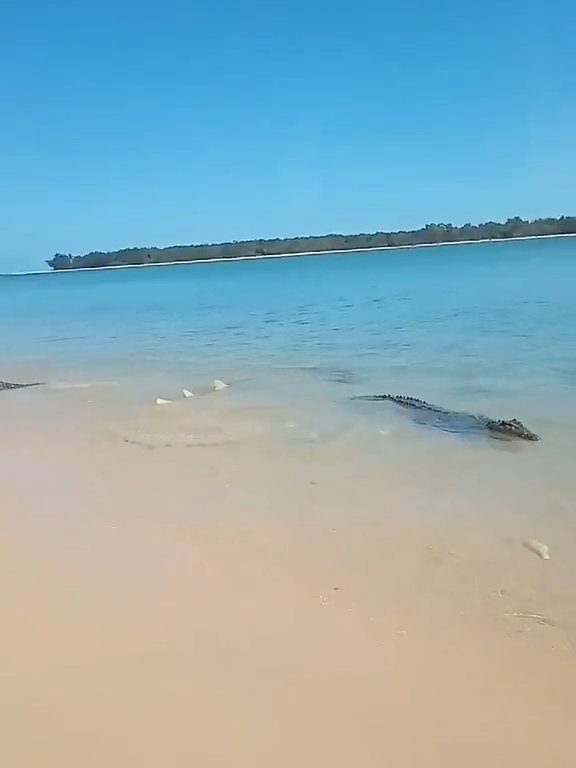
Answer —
484 327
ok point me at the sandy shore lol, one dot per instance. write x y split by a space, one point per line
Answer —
236 600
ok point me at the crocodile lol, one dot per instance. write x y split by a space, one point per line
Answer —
458 421
9 385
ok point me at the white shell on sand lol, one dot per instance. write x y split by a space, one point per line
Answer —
161 401
218 385
187 393
542 550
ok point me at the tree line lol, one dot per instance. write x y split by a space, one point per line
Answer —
428 235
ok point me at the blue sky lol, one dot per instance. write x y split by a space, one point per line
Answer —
144 123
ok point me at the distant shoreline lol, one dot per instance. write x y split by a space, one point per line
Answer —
287 255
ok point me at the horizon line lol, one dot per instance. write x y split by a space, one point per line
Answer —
220 259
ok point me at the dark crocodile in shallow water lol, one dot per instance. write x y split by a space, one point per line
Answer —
457 421
9 385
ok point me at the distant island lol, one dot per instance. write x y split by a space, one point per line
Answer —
431 234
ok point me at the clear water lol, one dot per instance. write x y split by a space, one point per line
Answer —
486 327
483 328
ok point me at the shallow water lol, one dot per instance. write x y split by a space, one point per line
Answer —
485 327
276 566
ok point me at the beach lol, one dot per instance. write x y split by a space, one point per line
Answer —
232 598
276 573
301 493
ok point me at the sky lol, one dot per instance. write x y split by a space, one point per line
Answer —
137 123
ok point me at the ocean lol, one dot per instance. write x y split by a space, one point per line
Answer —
468 325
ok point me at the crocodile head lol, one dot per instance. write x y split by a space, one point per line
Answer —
512 428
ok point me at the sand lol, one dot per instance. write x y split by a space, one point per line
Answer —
185 588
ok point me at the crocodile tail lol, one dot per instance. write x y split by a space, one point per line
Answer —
371 397
400 399
413 402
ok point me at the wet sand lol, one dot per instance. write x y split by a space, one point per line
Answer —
185 587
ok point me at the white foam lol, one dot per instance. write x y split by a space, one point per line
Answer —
219 385
161 401
540 549
187 393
